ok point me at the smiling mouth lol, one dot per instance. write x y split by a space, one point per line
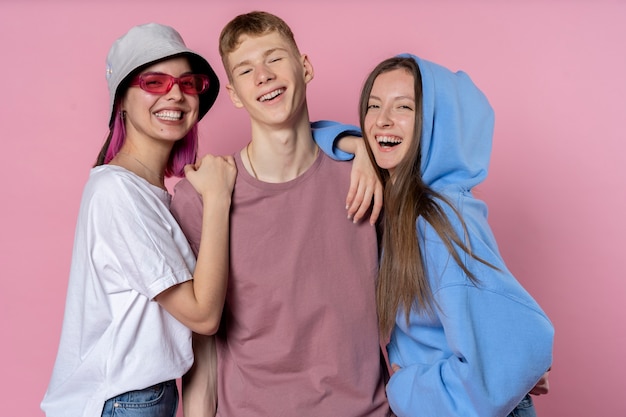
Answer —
169 115
271 95
388 141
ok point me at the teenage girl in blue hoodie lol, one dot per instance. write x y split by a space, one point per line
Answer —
464 337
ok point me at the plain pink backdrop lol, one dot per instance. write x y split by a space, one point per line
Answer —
553 71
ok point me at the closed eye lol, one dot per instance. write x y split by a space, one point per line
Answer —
154 83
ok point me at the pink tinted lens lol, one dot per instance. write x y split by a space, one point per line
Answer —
193 83
162 83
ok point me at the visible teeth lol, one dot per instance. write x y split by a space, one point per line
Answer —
388 140
169 115
271 95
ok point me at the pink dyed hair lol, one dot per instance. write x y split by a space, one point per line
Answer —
184 151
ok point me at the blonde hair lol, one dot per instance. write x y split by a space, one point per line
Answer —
255 23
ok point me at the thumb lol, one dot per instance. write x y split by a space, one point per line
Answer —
189 168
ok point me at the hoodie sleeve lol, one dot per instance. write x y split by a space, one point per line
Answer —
479 354
495 360
326 133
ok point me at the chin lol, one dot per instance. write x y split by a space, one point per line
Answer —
385 163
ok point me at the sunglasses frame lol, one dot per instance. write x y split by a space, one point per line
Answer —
171 80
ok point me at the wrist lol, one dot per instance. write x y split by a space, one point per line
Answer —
349 144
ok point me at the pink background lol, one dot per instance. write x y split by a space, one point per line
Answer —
554 72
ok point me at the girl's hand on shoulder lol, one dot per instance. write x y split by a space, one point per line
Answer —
212 175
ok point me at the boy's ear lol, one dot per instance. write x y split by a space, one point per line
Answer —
308 68
233 96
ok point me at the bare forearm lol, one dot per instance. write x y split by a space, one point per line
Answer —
200 383
198 303
211 272
350 144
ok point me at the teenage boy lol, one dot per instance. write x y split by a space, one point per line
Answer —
299 333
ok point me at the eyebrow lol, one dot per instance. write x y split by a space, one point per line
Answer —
265 55
395 98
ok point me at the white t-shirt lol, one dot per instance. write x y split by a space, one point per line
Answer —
128 248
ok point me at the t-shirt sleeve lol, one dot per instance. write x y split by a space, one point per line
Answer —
133 235
187 210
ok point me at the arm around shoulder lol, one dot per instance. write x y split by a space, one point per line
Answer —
328 134
198 303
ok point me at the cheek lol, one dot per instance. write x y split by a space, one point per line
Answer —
367 131
139 100
372 142
193 101
408 127
194 105
368 122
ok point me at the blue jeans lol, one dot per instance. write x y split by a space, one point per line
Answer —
524 409
160 400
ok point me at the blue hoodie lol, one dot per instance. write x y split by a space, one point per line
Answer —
487 344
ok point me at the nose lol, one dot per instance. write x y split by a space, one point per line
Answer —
383 119
175 92
264 74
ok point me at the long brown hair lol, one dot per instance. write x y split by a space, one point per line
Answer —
402 279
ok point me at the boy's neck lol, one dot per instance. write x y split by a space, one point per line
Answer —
278 155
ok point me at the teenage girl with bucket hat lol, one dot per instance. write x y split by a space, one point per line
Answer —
135 290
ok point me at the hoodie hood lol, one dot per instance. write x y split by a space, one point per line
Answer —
457 128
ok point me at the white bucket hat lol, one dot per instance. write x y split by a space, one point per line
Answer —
149 43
